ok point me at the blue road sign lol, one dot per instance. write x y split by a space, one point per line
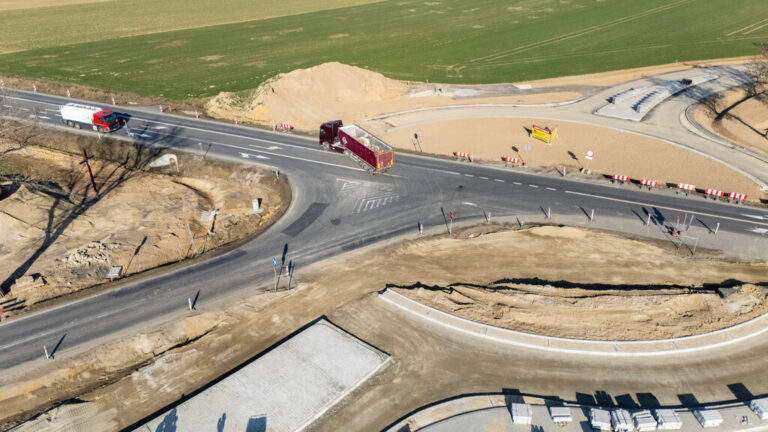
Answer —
274 262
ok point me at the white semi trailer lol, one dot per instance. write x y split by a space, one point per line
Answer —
85 116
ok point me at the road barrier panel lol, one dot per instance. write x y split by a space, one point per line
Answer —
511 160
714 193
650 183
621 178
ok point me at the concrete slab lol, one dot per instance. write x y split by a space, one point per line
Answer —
283 391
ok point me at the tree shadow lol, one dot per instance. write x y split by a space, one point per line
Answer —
128 162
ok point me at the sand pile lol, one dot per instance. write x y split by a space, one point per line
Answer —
746 124
307 97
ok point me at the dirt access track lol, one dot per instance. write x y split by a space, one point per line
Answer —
168 363
57 237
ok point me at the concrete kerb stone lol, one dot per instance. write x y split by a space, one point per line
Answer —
712 340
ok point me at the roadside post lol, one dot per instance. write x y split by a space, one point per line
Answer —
189 303
591 215
69 95
45 350
2 316
421 229
677 221
549 212
528 154
590 154
450 224
113 101
87 162
274 267
717 227
648 222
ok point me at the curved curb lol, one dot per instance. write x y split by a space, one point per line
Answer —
488 105
693 126
660 347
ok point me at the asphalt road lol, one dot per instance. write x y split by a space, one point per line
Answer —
338 207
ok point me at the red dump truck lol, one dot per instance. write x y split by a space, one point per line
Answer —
373 154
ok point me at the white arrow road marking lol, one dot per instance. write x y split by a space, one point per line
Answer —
469 204
248 156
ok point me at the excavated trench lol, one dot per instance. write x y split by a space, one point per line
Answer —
596 311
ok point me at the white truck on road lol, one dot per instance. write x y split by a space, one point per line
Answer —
80 116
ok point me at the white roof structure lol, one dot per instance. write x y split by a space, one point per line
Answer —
760 407
667 419
621 420
560 414
521 413
644 421
708 417
600 419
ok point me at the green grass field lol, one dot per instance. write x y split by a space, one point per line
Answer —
451 41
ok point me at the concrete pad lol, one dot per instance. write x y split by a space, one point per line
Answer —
283 391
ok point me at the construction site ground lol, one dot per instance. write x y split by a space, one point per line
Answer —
199 347
444 119
739 118
57 238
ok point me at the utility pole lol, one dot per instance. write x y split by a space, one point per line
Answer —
90 172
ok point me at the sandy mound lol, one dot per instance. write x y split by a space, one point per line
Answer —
745 124
307 97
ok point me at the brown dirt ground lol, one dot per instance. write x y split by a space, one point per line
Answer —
746 124
615 152
137 225
307 97
487 253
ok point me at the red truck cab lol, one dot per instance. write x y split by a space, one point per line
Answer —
107 120
329 135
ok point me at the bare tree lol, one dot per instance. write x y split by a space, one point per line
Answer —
757 69
18 126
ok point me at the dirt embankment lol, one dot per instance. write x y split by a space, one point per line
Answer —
470 262
57 237
738 118
305 98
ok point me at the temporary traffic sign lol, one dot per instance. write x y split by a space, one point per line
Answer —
274 262
451 215
590 154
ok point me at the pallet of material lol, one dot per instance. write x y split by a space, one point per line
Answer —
560 415
667 419
600 419
708 417
644 421
521 413
760 407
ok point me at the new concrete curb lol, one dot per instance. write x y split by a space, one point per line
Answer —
662 347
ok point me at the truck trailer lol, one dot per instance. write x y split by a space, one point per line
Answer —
373 154
85 116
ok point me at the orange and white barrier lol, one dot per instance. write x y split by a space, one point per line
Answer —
462 155
511 160
738 196
285 126
686 186
714 192
649 183
621 178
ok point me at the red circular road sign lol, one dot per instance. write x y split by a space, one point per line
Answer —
590 154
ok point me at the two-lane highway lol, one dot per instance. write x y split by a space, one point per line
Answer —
337 207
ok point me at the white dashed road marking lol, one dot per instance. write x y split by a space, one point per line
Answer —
551 188
499 180
533 186
518 183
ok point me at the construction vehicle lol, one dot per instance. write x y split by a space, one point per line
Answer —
373 154
85 116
